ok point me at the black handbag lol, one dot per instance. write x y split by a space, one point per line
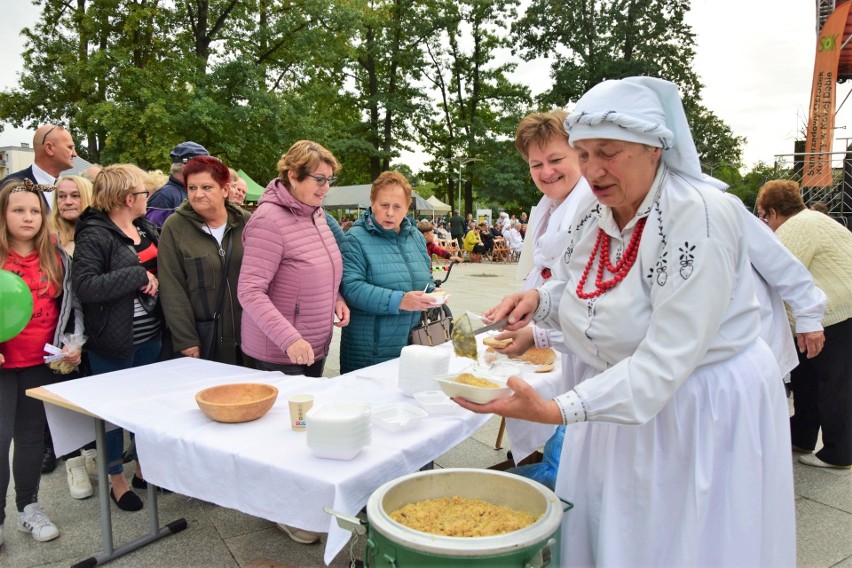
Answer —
208 331
208 341
147 301
431 331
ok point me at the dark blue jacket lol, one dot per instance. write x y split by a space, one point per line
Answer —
165 201
379 266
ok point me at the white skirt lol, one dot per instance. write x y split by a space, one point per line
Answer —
706 482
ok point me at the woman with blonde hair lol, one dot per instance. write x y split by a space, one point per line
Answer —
73 194
154 180
114 276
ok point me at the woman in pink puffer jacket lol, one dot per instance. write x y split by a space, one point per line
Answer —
289 283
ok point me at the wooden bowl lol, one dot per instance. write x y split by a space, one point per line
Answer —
238 402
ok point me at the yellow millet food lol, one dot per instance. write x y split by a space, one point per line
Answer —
468 379
459 516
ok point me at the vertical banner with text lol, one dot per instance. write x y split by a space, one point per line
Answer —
817 163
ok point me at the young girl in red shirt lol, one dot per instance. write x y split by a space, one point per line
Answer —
28 250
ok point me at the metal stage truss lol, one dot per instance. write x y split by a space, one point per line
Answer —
835 190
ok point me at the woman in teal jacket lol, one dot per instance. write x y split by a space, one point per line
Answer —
385 273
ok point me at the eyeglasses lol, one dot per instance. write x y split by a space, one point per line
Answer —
762 216
322 180
145 193
54 127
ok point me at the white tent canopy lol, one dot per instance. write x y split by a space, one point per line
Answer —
358 197
347 197
438 205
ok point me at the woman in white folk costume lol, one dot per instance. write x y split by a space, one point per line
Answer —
677 441
543 143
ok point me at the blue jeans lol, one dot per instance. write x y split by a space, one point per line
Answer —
143 354
545 472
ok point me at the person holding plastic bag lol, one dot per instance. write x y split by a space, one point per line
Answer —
27 249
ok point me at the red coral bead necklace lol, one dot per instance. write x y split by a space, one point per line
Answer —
621 268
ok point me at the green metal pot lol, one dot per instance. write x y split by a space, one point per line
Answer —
392 544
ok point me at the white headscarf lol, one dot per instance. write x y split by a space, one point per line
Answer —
645 110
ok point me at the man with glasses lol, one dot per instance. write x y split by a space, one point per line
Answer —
54 153
165 200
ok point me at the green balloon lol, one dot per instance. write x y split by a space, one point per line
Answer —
16 305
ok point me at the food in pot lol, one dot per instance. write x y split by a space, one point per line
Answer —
459 516
474 381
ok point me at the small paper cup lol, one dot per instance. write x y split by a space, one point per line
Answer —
299 406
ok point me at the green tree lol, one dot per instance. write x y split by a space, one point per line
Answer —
134 77
595 40
476 106
386 63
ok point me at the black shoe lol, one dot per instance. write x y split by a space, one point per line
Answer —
130 501
139 483
48 462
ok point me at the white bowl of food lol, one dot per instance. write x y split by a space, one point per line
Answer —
475 386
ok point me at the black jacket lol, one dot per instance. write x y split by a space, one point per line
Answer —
106 274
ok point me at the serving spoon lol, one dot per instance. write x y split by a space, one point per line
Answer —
464 338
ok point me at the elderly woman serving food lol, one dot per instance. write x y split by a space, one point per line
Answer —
680 423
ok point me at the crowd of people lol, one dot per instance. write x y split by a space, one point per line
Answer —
663 294
185 270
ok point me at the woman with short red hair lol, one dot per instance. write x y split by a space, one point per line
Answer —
201 251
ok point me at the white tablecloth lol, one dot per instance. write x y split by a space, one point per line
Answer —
263 468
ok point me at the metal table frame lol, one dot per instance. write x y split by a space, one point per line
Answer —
155 531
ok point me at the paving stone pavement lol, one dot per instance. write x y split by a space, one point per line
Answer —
219 537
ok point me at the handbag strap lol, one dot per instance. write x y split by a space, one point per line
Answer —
227 267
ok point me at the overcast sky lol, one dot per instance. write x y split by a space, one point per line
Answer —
754 56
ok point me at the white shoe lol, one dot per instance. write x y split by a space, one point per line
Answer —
78 479
36 522
812 459
91 462
299 535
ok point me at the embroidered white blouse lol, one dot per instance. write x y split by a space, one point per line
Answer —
688 300
549 230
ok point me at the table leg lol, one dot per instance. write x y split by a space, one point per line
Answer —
502 430
156 533
103 487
